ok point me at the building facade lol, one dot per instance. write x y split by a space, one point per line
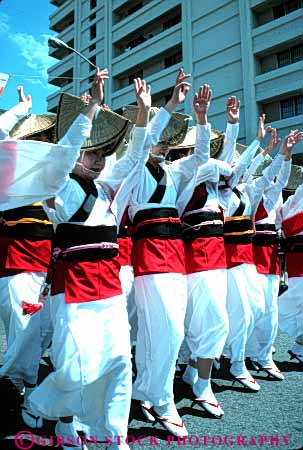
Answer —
249 48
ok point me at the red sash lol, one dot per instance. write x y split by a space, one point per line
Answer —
86 281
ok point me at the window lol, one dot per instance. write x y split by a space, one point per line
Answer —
286 8
138 74
134 8
287 109
93 4
173 59
93 60
297 53
299 105
93 32
171 22
291 107
92 17
92 47
290 56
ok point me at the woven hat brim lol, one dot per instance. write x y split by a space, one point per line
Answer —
108 128
175 131
295 178
33 124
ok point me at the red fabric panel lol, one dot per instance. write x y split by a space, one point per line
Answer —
238 254
87 281
261 212
125 250
24 255
293 225
294 264
266 259
154 255
205 254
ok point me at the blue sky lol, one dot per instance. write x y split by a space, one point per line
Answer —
24 28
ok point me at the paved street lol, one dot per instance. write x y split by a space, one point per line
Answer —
272 418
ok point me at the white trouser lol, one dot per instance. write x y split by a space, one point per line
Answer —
290 306
206 320
259 345
25 334
92 378
245 305
161 304
127 282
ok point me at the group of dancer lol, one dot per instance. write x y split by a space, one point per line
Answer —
98 254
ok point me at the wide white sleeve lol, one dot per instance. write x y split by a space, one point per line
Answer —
33 171
67 202
291 207
258 186
243 163
9 119
211 171
257 161
158 123
231 135
77 133
185 169
272 194
135 158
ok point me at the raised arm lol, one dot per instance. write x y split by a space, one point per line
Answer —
246 157
232 130
138 147
257 161
185 168
9 119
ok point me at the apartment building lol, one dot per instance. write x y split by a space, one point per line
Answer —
249 48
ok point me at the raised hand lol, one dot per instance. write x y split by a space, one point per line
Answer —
274 141
27 99
86 97
97 93
142 93
182 76
289 142
262 131
98 86
201 103
233 110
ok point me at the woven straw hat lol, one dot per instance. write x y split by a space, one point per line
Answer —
189 141
33 124
108 128
175 131
296 174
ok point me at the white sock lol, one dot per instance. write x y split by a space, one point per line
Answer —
191 374
167 410
238 369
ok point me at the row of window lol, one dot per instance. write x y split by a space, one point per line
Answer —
291 107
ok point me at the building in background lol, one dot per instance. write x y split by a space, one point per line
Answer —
249 48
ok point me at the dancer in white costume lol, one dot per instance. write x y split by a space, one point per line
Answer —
25 242
92 379
290 304
266 259
245 302
206 321
160 285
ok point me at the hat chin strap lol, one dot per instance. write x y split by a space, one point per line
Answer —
157 158
88 171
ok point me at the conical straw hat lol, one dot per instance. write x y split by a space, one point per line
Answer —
175 131
108 128
33 124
